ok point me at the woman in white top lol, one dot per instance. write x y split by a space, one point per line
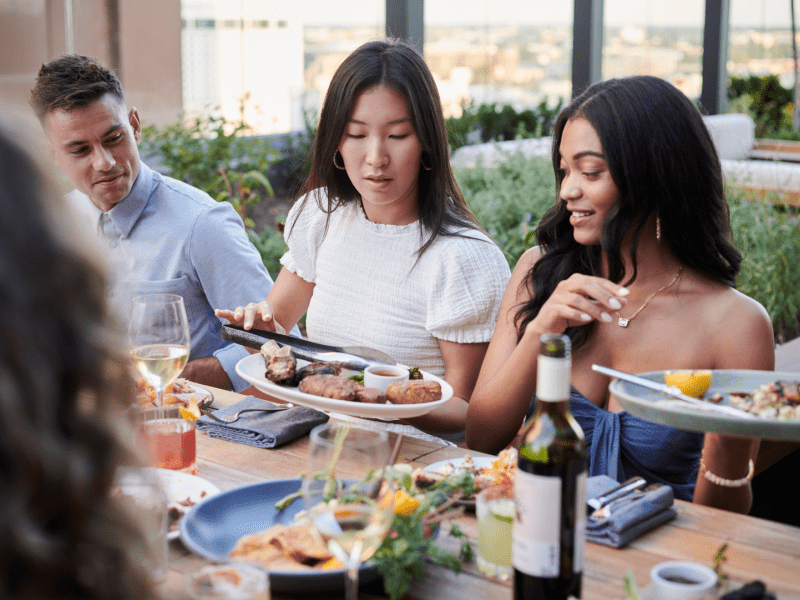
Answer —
383 251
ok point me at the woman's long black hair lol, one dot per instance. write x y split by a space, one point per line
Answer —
663 162
397 66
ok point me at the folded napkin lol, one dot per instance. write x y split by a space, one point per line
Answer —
630 516
262 429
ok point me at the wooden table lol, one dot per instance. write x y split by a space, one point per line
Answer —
757 549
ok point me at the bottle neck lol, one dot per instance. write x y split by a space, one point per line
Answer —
553 379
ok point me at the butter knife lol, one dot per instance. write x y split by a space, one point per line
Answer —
673 391
623 489
356 358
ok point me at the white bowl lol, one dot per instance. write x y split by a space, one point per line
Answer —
681 580
381 376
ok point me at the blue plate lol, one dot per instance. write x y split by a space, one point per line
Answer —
212 528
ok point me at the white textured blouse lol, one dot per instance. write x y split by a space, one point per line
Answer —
370 289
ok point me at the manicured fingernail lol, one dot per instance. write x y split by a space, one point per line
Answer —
615 304
623 292
237 314
606 317
248 323
586 317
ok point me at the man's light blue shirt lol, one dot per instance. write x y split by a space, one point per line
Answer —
167 237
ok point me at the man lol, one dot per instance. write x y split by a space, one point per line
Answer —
160 235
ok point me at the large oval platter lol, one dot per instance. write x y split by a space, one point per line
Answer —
659 408
251 369
212 528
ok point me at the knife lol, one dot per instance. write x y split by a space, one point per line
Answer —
355 358
673 391
623 489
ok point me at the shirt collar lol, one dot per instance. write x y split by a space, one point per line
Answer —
127 212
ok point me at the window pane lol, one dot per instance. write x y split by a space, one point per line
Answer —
653 37
515 52
279 55
761 39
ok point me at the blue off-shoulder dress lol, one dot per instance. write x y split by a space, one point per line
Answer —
621 446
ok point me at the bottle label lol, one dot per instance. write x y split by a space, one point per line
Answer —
552 378
536 545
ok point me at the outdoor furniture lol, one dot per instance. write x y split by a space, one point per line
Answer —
757 549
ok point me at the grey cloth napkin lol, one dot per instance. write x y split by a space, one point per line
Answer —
631 515
262 430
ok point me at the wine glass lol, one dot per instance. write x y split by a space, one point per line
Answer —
159 339
348 496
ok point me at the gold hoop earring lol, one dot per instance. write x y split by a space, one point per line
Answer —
335 164
422 163
658 229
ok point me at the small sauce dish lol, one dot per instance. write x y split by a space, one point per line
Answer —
681 580
380 376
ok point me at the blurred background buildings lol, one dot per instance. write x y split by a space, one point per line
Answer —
188 56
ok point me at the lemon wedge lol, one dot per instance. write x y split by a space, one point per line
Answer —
190 412
691 383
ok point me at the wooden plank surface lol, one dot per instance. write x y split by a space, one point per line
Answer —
757 549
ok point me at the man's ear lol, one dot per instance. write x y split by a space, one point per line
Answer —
136 123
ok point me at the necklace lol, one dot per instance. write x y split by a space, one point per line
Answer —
623 322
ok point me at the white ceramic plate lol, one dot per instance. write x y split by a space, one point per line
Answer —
201 395
251 369
180 487
659 408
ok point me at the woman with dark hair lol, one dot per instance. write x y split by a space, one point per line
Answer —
635 267
63 384
383 250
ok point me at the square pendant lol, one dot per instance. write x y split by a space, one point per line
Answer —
623 322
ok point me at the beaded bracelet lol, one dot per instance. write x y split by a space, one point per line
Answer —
729 483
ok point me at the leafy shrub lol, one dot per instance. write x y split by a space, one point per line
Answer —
271 246
490 122
767 101
509 201
212 154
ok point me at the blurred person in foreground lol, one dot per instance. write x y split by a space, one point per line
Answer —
63 384
634 264
383 250
161 235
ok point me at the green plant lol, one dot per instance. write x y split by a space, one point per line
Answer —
500 123
767 101
212 154
271 246
509 200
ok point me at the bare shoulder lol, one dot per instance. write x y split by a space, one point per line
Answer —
529 258
743 329
516 286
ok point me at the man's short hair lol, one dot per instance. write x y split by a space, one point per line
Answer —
72 81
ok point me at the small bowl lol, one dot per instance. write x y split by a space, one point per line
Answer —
681 580
380 376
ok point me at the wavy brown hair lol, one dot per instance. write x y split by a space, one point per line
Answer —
63 386
397 66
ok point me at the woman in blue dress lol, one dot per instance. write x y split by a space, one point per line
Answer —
635 266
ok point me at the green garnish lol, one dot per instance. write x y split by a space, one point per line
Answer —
359 377
414 373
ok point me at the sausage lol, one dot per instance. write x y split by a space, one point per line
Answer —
417 391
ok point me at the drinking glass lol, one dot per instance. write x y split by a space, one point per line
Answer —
170 438
239 581
494 507
348 493
159 339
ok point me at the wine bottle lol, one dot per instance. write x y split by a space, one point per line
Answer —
550 487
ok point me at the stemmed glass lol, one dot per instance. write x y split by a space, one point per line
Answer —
159 339
348 495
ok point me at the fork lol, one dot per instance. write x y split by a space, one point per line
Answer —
235 416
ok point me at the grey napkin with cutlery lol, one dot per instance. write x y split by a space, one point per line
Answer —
629 516
262 429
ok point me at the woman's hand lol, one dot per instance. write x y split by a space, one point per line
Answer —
577 301
259 315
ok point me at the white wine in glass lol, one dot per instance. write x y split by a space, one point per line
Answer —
159 339
347 496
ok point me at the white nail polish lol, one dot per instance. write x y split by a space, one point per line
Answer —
586 317
606 317
623 292
615 304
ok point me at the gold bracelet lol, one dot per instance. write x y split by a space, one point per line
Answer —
729 483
